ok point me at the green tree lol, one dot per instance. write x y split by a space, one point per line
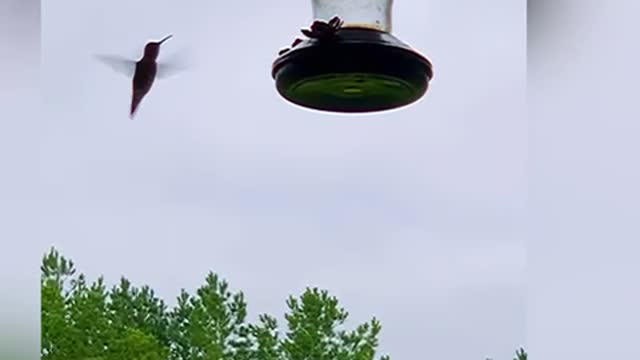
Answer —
55 273
211 324
138 308
520 355
89 329
267 338
88 321
83 320
315 331
137 345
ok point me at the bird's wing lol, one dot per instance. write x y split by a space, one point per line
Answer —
174 63
168 70
119 64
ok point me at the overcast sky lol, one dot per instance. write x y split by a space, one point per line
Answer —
415 216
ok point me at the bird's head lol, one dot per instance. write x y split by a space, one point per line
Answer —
152 49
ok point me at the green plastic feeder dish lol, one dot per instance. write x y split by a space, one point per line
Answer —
360 67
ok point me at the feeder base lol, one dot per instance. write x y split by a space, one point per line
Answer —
360 70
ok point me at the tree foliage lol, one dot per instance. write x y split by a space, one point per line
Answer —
520 355
84 320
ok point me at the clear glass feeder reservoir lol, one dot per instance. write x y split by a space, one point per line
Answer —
351 67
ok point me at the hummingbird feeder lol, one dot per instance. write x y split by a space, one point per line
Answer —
350 62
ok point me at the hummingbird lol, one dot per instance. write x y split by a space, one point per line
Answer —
144 71
145 74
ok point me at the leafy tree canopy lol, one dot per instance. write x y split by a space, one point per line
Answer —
87 321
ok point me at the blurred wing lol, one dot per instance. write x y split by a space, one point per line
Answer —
119 64
169 70
173 65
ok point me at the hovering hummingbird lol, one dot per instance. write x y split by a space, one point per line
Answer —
143 71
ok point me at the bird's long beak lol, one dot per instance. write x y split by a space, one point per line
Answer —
165 39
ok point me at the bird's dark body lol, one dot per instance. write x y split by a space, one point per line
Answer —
143 79
145 73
